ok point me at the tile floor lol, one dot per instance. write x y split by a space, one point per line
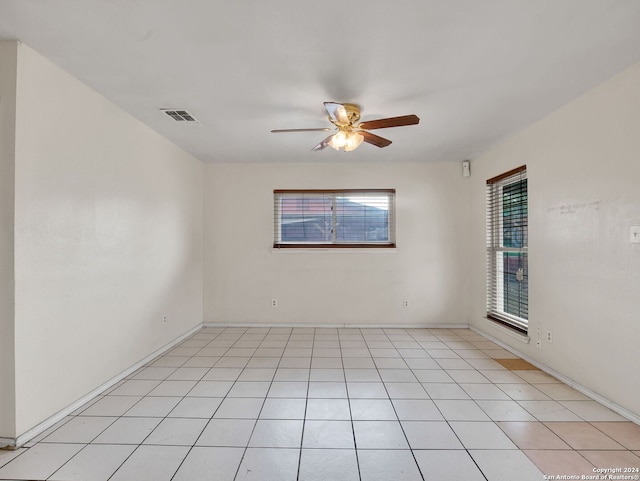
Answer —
278 404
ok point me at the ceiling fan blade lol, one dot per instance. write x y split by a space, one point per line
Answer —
337 112
374 139
390 122
301 130
323 145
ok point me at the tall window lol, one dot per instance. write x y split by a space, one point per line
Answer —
507 241
334 218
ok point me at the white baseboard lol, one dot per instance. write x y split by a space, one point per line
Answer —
631 416
7 443
338 325
47 423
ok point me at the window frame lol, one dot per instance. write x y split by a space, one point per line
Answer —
496 250
279 194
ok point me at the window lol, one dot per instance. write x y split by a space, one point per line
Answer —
334 218
507 241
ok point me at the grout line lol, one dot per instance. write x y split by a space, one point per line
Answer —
346 387
306 403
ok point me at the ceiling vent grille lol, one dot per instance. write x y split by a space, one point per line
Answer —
182 116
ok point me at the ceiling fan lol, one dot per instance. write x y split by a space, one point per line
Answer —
350 134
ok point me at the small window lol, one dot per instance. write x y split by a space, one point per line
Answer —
334 218
507 249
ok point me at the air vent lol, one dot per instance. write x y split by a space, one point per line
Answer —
182 116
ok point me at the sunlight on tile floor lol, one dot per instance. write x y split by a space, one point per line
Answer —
278 404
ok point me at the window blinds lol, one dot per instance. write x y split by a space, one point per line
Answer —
507 246
334 218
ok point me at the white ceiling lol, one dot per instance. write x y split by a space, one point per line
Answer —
473 71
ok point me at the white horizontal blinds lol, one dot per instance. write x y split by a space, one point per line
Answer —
363 217
507 246
303 217
334 218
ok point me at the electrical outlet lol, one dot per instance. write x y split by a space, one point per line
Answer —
164 319
549 338
274 302
405 303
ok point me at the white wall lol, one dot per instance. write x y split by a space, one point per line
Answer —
108 237
8 58
583 164
428 268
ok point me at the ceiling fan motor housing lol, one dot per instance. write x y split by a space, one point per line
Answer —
353 114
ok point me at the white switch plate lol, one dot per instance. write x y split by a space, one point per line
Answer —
634 234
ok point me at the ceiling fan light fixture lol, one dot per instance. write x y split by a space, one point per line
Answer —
339 140
354 139
346 140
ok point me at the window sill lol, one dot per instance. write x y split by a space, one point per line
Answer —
334 245
333 250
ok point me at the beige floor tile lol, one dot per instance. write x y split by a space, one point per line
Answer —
592 411
549 411
561 392
582 435
328 464
626 433
385 465
448 464
505 411
523 392
499 354
484 391
276 433
512 464
96 462
613 459
461 410
559 462
328 435
216 463
536 376
430 435
481 435
532 435
39 462
516 364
